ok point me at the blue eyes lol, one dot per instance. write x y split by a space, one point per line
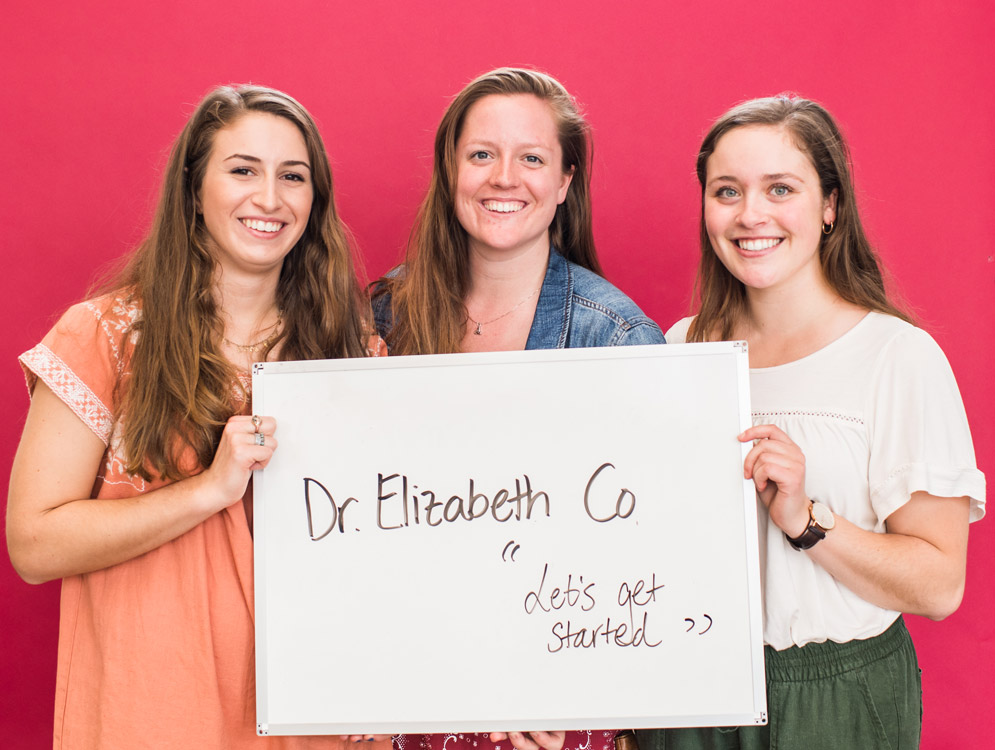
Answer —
486 156
777 191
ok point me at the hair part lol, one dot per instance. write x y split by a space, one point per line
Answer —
849 263
179 392
427 294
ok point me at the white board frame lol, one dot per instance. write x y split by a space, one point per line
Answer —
337 418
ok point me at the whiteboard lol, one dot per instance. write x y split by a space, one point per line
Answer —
507 541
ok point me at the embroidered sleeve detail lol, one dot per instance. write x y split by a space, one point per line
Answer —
41 362
376 347
115 320
799 413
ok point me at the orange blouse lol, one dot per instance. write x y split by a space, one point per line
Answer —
157 651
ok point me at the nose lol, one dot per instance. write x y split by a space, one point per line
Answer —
504 173
267 195
752 210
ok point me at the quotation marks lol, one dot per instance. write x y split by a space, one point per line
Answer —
691 626
505 555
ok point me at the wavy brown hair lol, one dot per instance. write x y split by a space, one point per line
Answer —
848 261
179 392
427 294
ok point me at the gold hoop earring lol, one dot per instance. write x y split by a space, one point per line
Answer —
830 225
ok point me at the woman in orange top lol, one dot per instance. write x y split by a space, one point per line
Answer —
131 481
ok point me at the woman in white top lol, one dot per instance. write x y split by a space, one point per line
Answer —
862 457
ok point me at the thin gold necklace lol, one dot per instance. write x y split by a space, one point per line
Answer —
478 330
250 348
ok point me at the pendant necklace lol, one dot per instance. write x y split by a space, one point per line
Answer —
250 348
478 331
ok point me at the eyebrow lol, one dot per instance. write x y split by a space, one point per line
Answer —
764 178
257 160
524 146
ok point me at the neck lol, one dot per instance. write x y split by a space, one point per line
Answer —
504 278
502 298
786 324
247 304
790 309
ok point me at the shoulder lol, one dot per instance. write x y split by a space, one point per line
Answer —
598 303
905 363
678 332
84 355
95 326
118 307
892 341
394 274
909 378
380 300
920 439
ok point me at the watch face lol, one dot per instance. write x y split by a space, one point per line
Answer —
823 516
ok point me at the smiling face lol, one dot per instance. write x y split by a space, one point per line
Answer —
764 208
256 193
510 176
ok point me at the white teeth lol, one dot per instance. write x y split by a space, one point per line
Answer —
504 207
262 226
758 244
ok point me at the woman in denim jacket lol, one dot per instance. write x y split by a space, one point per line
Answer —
502 258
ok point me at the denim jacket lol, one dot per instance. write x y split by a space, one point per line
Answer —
576 308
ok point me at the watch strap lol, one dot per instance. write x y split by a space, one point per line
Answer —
813 533
807 539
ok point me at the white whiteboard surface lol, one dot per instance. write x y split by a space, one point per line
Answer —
383 618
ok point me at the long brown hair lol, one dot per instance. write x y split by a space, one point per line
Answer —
179 391
427 294
848 261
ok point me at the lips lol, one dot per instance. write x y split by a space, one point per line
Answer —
259 225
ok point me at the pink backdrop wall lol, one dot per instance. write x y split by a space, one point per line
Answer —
92 98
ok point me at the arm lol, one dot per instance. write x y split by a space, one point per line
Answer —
54 529
918 566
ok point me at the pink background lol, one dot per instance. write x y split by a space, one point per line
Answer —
92 99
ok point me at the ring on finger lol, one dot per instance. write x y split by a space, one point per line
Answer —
256 421
260 438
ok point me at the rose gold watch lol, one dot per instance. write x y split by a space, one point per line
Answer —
820 521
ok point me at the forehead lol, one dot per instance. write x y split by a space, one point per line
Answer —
261 134
753 150
513 118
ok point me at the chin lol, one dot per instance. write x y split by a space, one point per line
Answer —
754 280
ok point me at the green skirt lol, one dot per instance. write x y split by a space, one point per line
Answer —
862 695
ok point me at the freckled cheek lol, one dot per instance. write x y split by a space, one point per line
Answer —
466 193
464 210
467 184
548 191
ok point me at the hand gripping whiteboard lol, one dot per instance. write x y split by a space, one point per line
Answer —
507 541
